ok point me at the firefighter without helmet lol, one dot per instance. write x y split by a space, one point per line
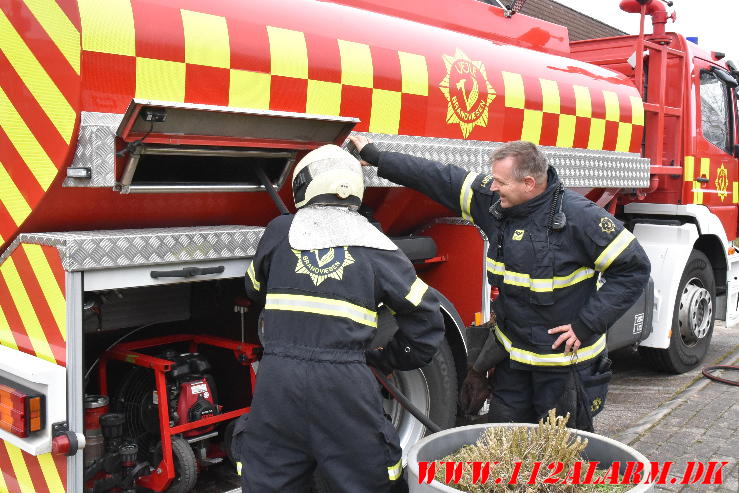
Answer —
328 175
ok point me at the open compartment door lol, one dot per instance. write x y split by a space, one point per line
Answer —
179 147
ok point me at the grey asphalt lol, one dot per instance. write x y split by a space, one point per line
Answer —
678 418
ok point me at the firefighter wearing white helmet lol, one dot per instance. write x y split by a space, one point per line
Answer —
321 275
330 176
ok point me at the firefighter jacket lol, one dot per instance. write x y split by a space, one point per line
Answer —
546 278
323 304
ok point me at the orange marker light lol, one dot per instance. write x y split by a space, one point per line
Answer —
21 410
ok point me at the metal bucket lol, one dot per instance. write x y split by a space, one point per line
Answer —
439 445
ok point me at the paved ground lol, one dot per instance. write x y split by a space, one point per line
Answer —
678 418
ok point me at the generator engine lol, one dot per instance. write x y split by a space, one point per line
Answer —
132 430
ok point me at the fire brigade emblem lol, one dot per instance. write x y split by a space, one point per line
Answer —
467 91
606 225
722 182
324 263
518 235
597 402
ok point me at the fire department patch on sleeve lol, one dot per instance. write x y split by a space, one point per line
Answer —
607 225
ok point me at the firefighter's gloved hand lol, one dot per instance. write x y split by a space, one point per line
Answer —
475 389
376 359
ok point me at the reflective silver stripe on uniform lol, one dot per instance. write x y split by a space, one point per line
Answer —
394 472
557 359
536 284
613 250
321 306
253 276
465 196
418 289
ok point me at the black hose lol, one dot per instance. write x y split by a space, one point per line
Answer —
403 400
708 369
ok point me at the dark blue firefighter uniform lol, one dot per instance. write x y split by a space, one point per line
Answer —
316 402
546 278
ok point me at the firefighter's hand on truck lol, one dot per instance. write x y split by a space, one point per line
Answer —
567 335
359 142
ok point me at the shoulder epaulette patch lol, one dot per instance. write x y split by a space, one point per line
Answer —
607 225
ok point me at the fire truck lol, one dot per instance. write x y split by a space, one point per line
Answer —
143 145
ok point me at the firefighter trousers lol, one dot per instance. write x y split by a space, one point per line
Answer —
324 415
525 396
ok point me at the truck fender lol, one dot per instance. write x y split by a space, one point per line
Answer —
668 248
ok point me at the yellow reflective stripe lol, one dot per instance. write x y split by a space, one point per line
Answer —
12 198
26 311
538 284
394 471
418 289
321 306
238 468
6 334
52 293
51 474
36 79
59 28
465 196
554 359
22 475
25 143
613 250
253 276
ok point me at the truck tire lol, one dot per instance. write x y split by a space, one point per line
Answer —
692 320
185 465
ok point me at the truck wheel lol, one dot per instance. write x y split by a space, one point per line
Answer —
185 465
692 320
432 389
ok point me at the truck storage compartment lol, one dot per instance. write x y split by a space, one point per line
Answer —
160 168
189 335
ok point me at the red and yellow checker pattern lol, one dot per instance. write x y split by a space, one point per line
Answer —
216 57
547 112
39 95
33 320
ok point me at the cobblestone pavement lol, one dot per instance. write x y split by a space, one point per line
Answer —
698 421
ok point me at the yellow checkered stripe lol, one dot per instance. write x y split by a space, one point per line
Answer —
515 98
207 43
703 165
253 276
318 305
613 250
465 196
550 359
418 289
42 85
539 285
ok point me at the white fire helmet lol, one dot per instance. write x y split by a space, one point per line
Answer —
328 175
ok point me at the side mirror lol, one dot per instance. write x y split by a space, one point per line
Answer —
725 78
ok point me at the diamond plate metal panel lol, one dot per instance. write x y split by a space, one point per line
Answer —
96 149
94 250
576 167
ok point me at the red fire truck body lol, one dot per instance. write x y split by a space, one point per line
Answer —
137 138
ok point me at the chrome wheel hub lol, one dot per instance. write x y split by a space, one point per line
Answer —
695 312
414 386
